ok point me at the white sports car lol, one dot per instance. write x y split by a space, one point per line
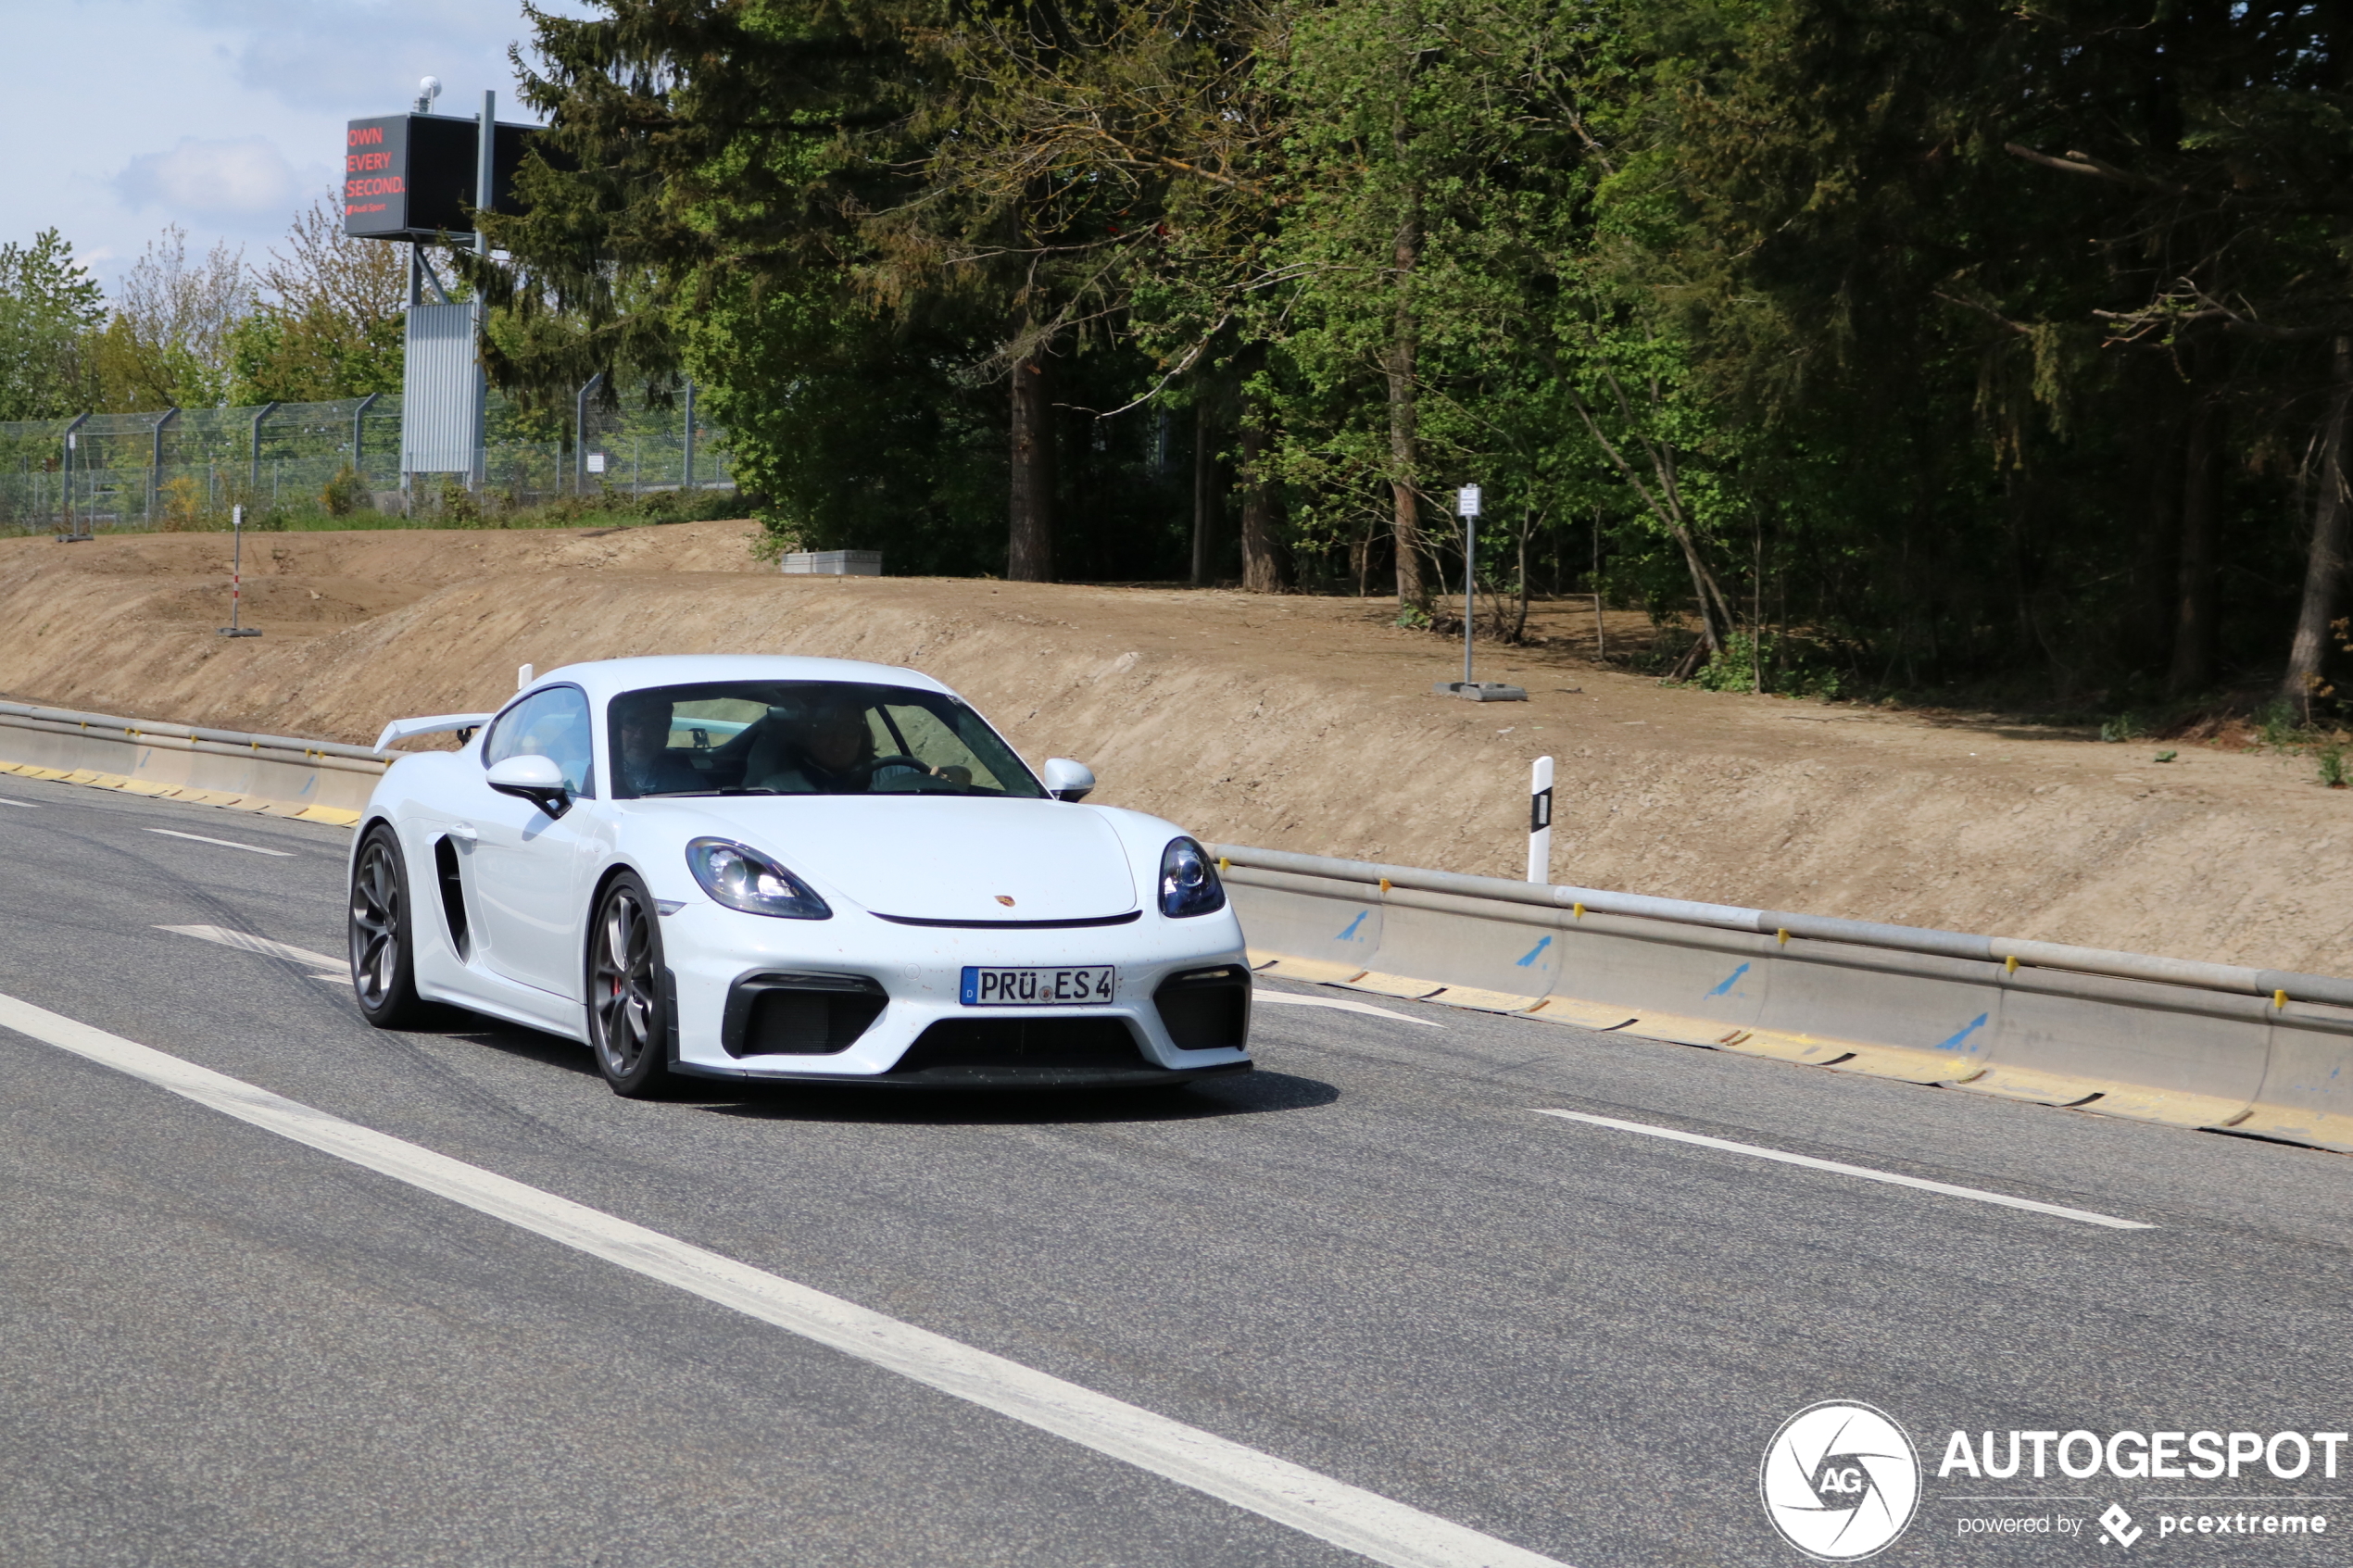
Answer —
754 867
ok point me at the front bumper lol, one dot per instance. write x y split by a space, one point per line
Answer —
924 1036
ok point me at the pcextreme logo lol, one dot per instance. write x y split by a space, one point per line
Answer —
1840 1481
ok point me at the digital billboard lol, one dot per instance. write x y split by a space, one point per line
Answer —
411 176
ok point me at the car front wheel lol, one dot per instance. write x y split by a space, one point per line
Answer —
384 972
628 1016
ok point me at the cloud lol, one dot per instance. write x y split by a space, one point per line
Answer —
364 57
242 179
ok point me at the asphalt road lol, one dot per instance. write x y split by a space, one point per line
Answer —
1372 1257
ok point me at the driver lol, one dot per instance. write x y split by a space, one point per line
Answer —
641 725
829 754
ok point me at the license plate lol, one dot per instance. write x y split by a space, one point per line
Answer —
1039 987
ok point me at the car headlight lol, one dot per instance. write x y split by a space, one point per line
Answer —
744 879
1188 884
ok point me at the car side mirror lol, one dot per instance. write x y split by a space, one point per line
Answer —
1066 780
534 778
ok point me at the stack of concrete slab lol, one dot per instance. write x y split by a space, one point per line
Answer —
833 563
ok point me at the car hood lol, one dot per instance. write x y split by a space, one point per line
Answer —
935 859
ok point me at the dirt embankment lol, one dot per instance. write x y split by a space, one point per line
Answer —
1291 723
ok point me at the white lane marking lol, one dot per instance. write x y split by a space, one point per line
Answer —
246 942
224 842
1349 1517
1335 1003
1864 1172
333 979
28 805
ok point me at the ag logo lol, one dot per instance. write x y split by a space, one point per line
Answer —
1840 1481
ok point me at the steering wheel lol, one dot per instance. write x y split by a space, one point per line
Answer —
896 759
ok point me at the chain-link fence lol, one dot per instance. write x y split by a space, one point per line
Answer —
185 468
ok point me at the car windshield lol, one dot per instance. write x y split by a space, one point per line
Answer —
807 737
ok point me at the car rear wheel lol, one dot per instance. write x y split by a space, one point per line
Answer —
628 1015
383 966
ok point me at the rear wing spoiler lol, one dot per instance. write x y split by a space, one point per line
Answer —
438 724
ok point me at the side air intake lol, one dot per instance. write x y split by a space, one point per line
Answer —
453 894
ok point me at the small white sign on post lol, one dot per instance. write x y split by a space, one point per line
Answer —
595 462
1467 500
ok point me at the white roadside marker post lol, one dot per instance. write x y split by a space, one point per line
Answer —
1539 821
237 577
522 676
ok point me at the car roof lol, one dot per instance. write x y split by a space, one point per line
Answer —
605 679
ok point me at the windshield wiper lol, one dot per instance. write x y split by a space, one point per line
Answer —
700 794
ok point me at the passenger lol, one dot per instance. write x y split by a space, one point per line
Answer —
827 754
641 722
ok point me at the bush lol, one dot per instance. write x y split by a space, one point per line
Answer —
183 506
346 494
1736 665
2276 722
1733 666
458 508
2125 726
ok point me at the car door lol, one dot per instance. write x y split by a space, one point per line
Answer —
528 880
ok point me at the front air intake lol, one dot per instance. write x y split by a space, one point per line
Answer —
799 1014
1012 1050
1206 1010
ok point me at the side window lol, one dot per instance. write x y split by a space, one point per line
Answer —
550 723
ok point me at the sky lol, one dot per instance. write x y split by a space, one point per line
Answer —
224 117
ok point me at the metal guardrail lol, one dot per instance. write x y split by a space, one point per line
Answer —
325 781
2200 1044
1822 928
72 721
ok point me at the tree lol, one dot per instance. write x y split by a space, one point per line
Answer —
700 151
1375 142
50 312
1060 142
1993 347
2071 284
167 343
332 324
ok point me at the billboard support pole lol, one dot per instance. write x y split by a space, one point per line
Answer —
416 297
485 167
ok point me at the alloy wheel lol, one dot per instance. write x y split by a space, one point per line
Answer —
375 924
622 984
